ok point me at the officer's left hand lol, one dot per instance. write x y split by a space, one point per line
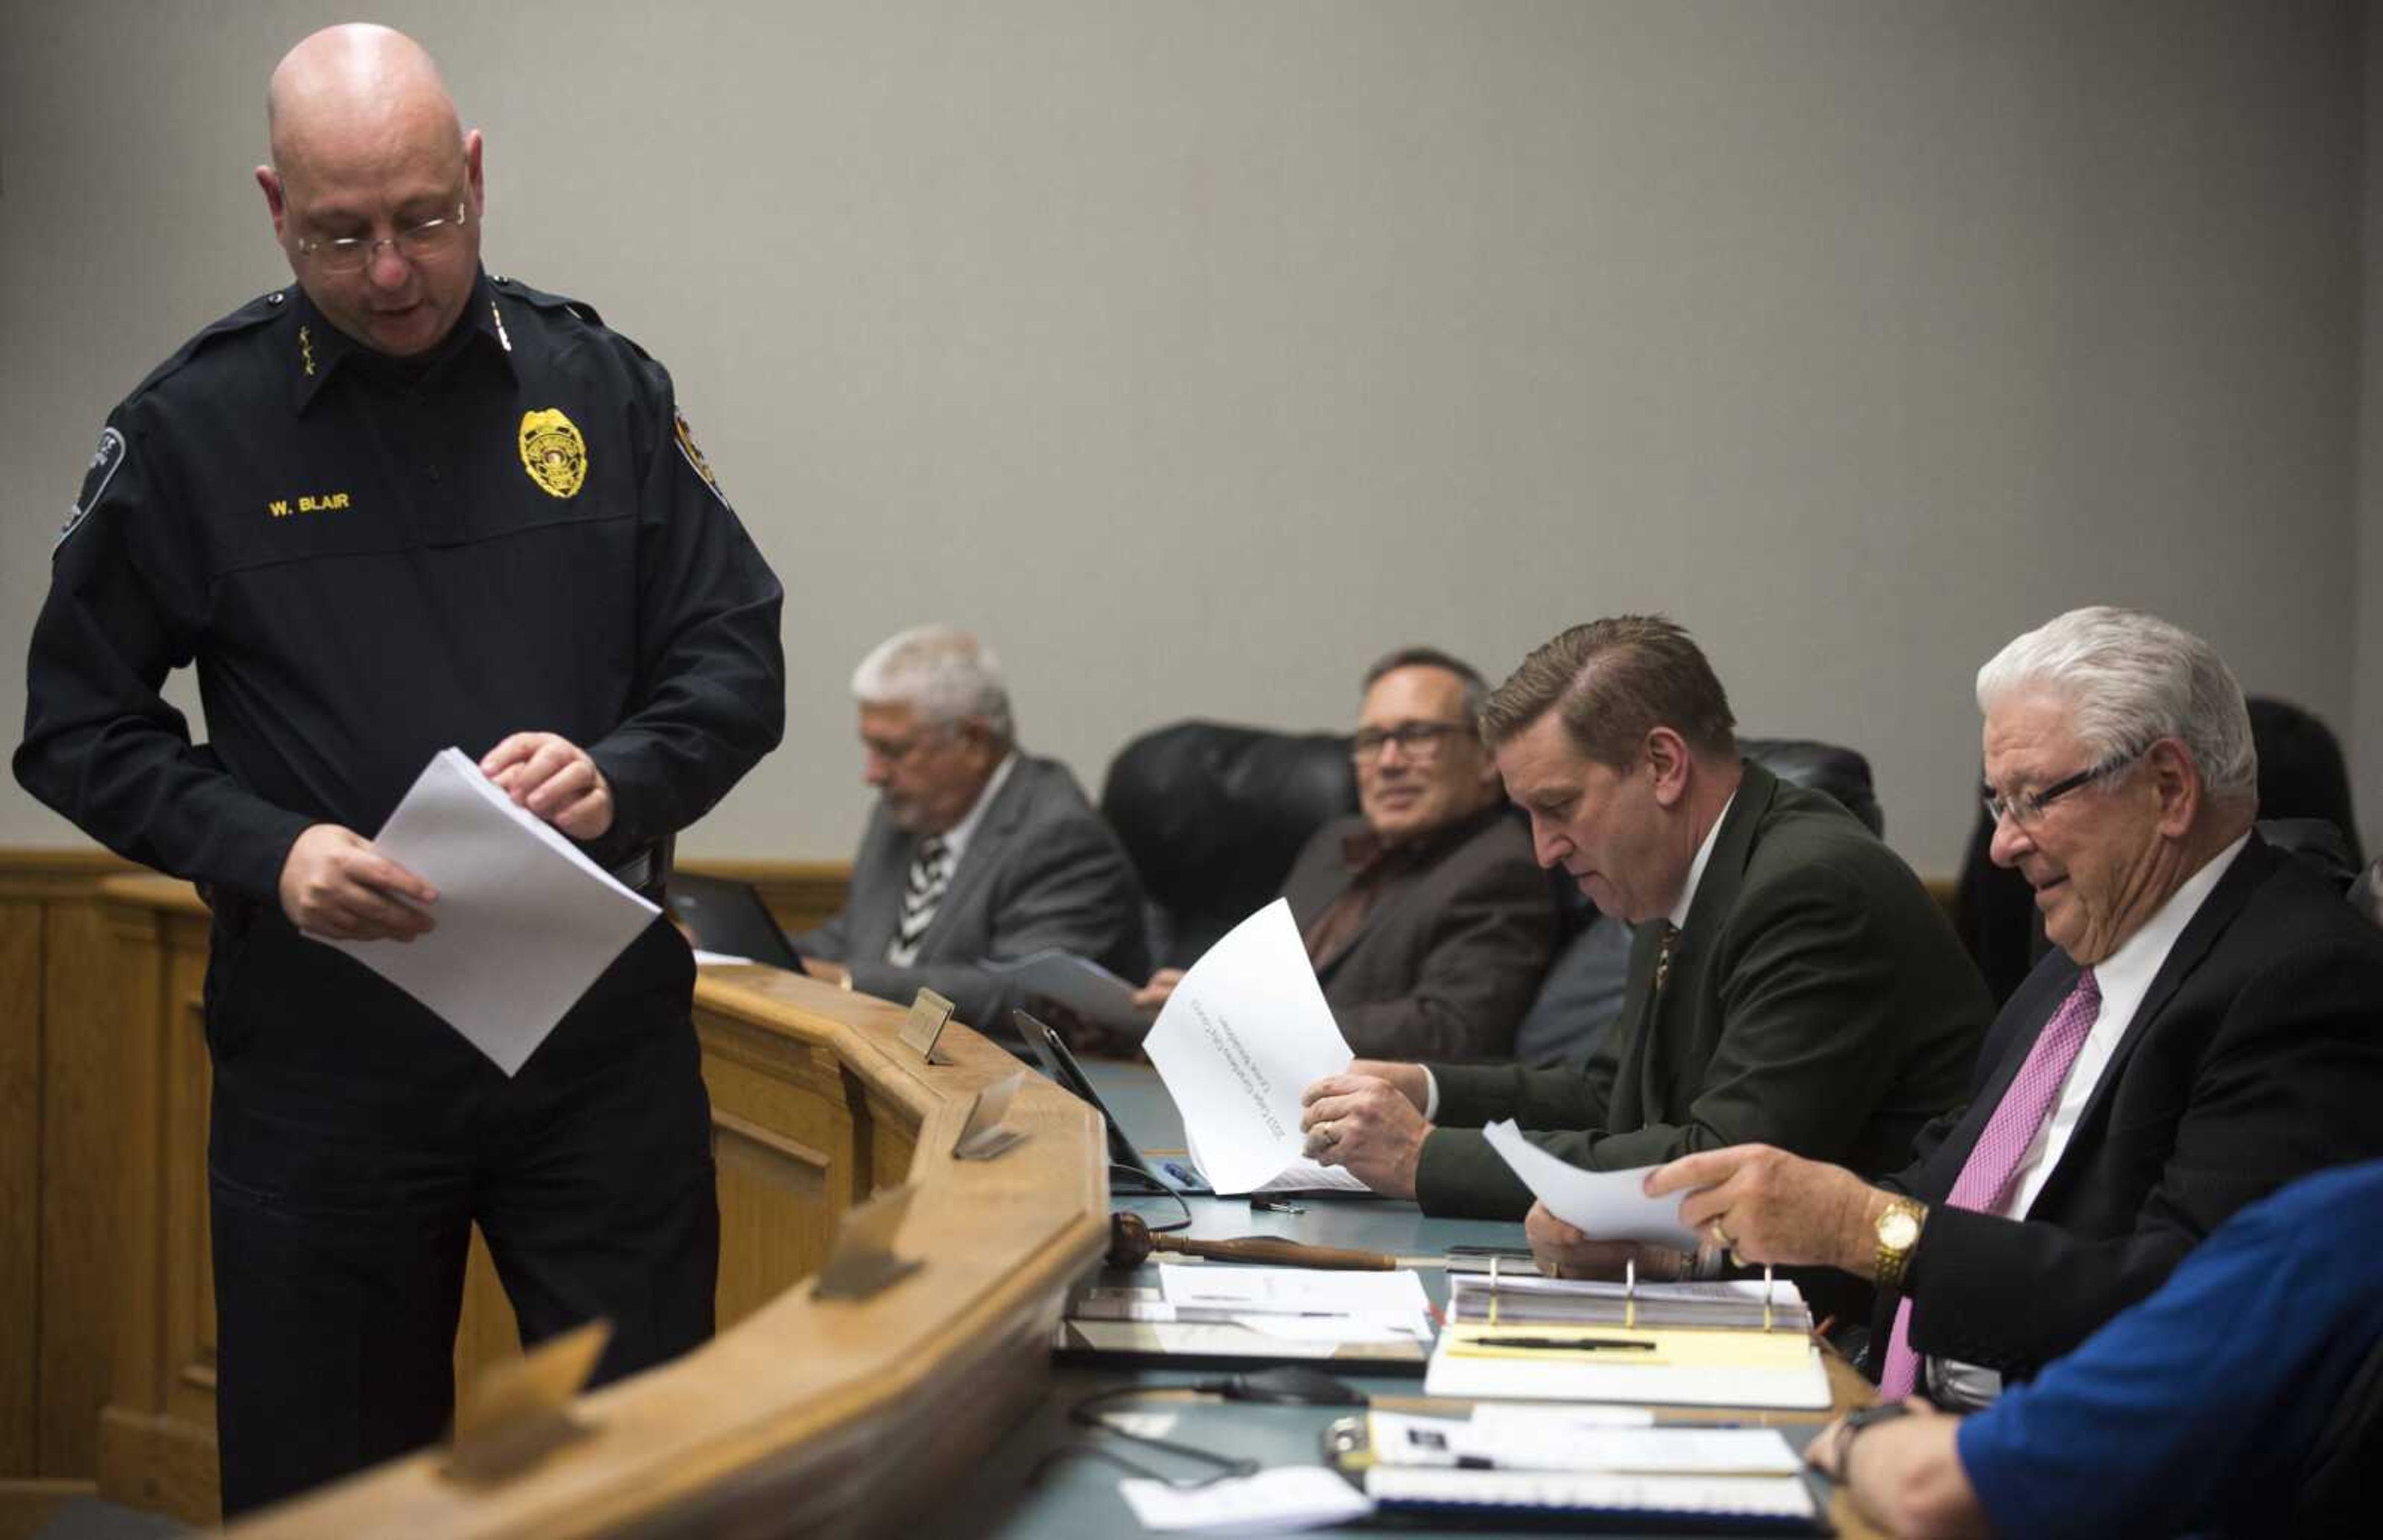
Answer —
552 777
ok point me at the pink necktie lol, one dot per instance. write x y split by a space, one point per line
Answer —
1986 1176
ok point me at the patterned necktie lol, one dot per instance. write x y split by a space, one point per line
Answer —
1985 1179
1663 958
931 873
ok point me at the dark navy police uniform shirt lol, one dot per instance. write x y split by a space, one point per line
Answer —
370 560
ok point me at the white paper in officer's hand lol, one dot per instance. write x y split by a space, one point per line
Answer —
526 922
1244 1033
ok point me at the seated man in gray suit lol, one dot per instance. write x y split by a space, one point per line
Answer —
1428 921
1789 973
975 852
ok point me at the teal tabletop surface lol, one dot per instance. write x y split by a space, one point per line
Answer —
1027 1486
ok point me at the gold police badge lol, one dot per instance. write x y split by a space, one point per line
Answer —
552 453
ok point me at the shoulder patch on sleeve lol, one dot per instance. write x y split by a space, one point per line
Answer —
694 457
105 462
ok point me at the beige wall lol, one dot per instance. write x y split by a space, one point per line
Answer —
2365 743
1197 353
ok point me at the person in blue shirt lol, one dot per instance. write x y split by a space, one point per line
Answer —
2200 1409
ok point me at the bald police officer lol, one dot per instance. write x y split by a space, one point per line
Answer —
400 506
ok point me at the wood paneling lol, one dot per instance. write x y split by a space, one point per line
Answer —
780 1425
20 1188
78 1199
65 1038
815 1104
58 1122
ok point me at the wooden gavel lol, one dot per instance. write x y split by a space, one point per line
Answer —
1131 1242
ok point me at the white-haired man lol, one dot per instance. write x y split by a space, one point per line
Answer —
975 852
2210 1028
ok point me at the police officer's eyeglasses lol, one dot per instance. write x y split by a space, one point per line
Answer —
417 243
1416 740
2026 809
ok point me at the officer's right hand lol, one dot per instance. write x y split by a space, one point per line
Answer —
335 886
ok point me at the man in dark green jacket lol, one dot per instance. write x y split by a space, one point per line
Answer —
1790 981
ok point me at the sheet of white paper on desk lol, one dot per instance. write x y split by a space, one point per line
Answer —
1560 1442
1246 1032
1272 1502
1358 1327
1609 1205
526 920
1080 984
1493 1420
1553 1435
1292 1290
1301 1175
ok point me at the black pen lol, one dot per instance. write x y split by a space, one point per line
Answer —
1567 1344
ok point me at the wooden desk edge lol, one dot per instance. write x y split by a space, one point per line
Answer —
776 1423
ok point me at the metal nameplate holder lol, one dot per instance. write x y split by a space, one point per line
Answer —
862 1261
985 1135
929 1015
519 1410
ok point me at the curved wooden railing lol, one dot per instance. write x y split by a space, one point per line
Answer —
802 1416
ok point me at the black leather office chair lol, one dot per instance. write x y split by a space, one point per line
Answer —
1842 773
1213 815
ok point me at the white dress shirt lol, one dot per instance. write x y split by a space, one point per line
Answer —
2124 978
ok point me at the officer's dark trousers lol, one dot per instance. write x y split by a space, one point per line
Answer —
356 1140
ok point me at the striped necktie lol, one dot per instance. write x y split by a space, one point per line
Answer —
931 873
1985 1179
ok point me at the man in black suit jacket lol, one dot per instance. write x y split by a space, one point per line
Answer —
2234 1039
1428 923
1790 974
975 852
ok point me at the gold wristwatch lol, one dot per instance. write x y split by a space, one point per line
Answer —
1897 1233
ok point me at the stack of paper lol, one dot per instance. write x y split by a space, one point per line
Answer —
1272 1502
1558 1438
1220 1312
1305 1302
1740 1303
1244 1033
526 922
1693 1366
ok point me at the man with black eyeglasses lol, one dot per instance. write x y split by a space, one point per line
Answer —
2208 1027
1789 974
400 506
1428 924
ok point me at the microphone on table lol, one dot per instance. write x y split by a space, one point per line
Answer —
1131 1241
